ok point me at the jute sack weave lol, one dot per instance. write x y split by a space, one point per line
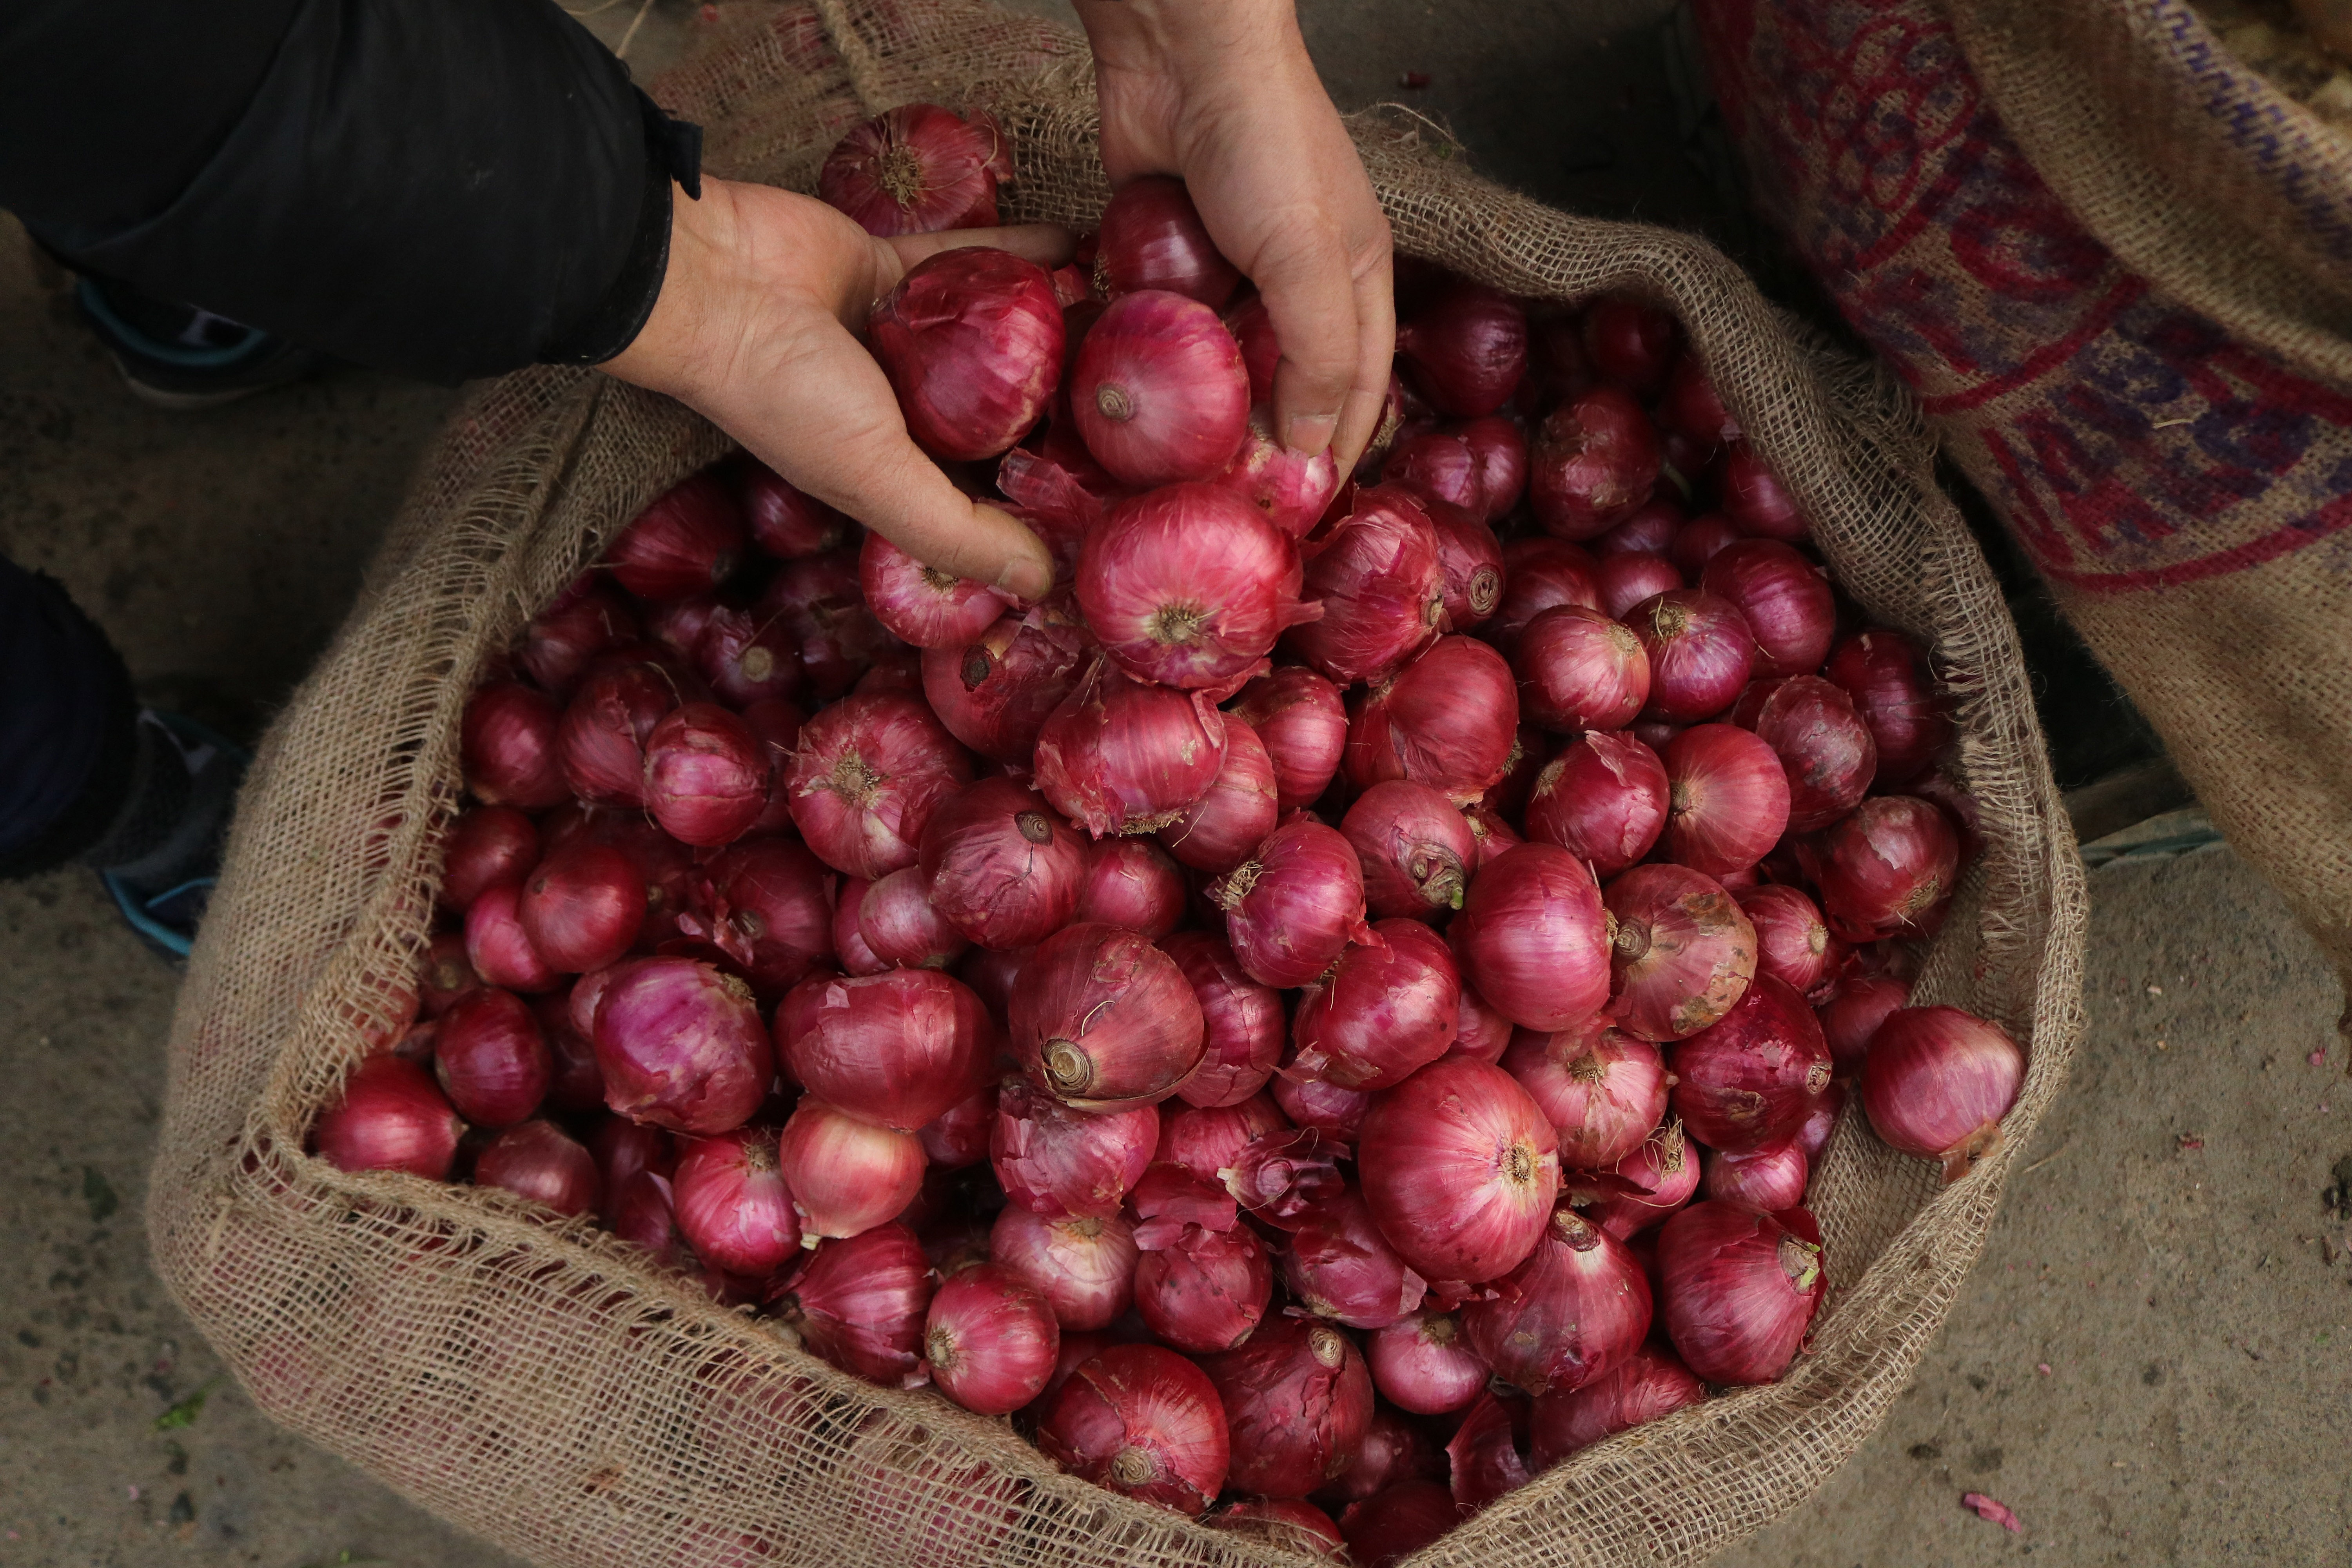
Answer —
540 1383
2115 266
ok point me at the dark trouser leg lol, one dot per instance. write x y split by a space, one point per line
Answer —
70 748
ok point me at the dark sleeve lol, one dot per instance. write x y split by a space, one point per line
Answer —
450 188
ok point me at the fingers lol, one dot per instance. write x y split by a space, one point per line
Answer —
1367 396
1302 274
1047 245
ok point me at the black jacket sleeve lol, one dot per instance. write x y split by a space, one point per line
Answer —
450 188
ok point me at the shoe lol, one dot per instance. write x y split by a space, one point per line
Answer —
163 893
178 357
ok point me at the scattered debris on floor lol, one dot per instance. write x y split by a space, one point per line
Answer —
1999 1512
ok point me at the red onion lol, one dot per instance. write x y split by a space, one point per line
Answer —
902 927
1887 870
868 775
922 604
1102 1019
784 521
1592 457
1084 1266
1500 449
1188 585
1603 799
1424 1364
1133 884
1438 465
1288 489
497 945
1467 348
1813 1138
765 903
958 1135
1313 1104
580 623
1217 831
1700 653
1152 237
1300 718
1290 1524
1577 1307
1243 1022
1684 951
446 975
1395 1449
1280 1176
603 735
1753 497
1448 720
1822 745
1487 1454
1603 1090
685 543
1729 798
1386 1009
623 1149
1416 848
1784 598
1382 585
1750 1079
576 1084
1699 541
1298 1399
680 627
1632 342
846 1176
390 1117
1202 1291
1339 1266
583 906
1460 1169
1480 1034
1159 392
732 1203
860 1302
1292 908
1792 946
918 169
644 1213
1653 1183
509 747
1579 670
1000 866
994 693
1628 579
1936 1083
1206 1141
749 661
1692 407
1143 1421
1397 1521
1851 1014
1065 1163
971 340
1470 560
896 1050
492 1058
486 844
681 1046
849 936
1533 938
1887 676
1647 530
1123 756
1771 1178
991 1340
1740 1288
818 598
1537 573
537 1161
1642 1387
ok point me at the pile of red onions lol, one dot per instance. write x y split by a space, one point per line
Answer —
1315 1021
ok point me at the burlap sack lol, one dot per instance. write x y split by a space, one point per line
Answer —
540 1383
2116 268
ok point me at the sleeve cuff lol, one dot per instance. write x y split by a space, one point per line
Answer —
674 155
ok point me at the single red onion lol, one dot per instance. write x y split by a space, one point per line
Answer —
994 693
1785 599
1631 578
732 1203
1424 1363
1813 1138
1143 1421
1500 449
580 623
583 906
1647 530
1448 720
1159 391
1936 1083
1202 1291
785 523
1460 1169
1740 1288
868 775
1207 1139
1188 585
1287 489
492 1058
576 1084
391 1116
1381 582
1297 1398
1887 870
1065 1163
1642 1387
860 1303
1729 798
1280 1176
1888 679
818 598
1480 1034
486 844
624 1148
1252 325
1292 908
679 627
1603 1090
498 946
1000 866
1291 1524
1753 497
1577 1307
1632 342
1395 1449
1416 848
765 903
1578 670
971 340
918 169
508 744
1750 1079
896 1050
1398 1522
1700 650
1387 1008
1102 1019
1337 1113
682 1046
1792 946
1683 951
1851 1014
1217 831
1533 938
846 1176
1339 1266
1133 884
1824 747
991 1340
958 1135
686 542
1537 573
1123 756
1438 465
1152 237
644 1212
1692 407
1487 1453
1699 541
1242 1021
1771 1178
900 926
1592 457
1085 1268
1603 799
922 604
1649 1185
1470 558
537 1160
1467 348
1300 717
603 735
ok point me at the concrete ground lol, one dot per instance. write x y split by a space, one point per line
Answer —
2150 1364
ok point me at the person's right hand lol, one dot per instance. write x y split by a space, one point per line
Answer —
755 329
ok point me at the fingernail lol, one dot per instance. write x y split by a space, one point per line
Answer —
1025 579
1308 433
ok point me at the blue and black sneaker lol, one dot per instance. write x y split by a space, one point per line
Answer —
159 861
179 357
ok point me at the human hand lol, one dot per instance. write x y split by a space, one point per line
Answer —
1221 93
756 328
